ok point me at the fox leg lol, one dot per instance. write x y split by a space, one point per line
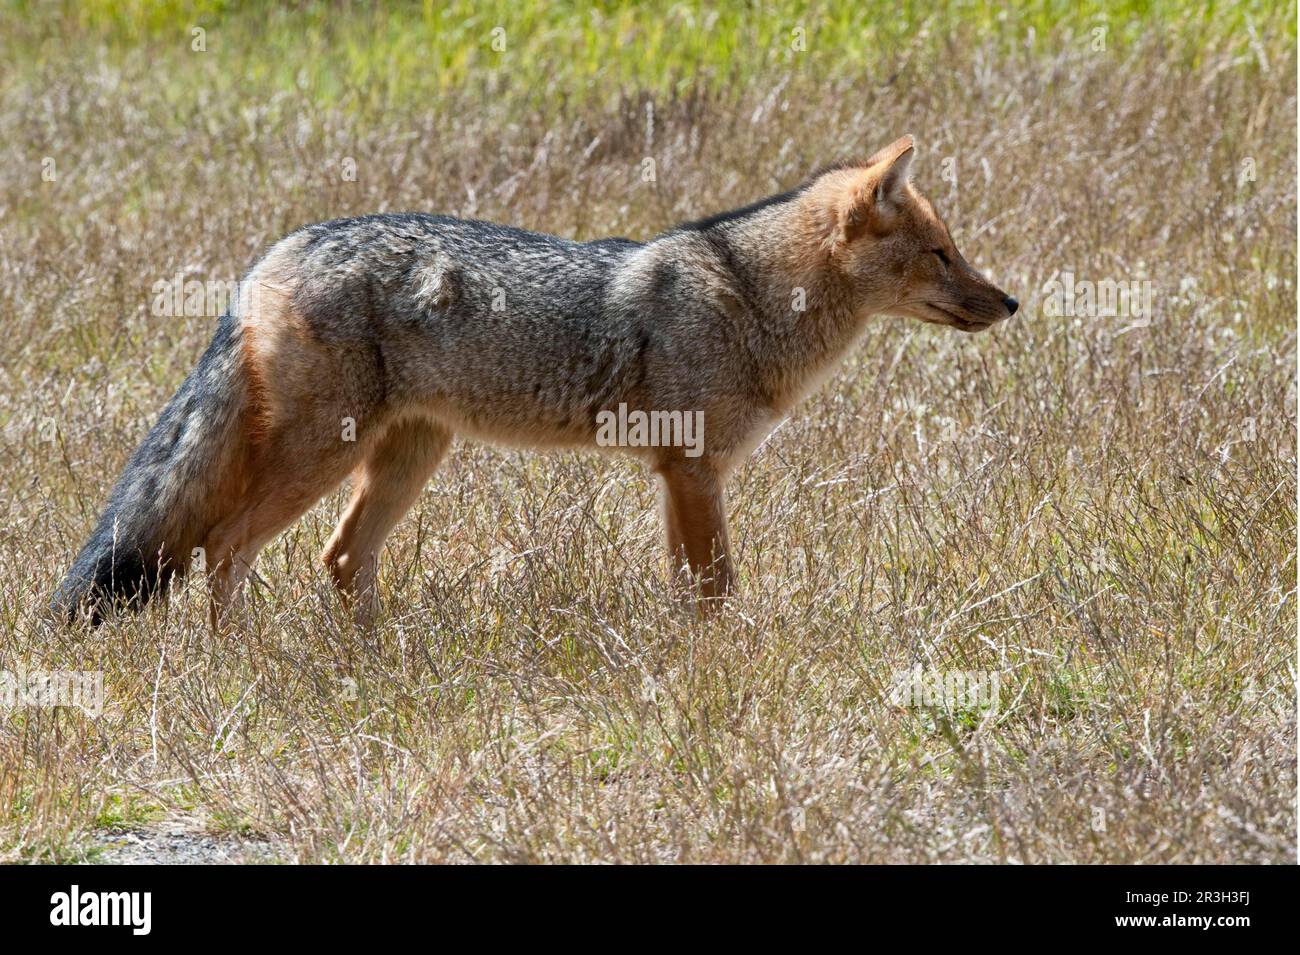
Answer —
695 517
280 491
386 484
226 588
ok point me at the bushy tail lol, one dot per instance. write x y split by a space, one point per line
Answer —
165 502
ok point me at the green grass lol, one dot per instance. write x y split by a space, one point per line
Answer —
361 55
127 811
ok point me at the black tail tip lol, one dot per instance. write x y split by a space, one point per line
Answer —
77 600
101 585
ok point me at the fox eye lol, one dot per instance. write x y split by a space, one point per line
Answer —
943 256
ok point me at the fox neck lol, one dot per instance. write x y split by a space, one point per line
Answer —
807 316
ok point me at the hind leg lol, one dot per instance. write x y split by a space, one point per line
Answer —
283 487
387 483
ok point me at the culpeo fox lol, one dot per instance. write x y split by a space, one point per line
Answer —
418 327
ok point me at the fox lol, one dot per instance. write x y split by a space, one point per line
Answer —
408 329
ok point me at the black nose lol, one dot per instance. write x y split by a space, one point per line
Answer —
1011 304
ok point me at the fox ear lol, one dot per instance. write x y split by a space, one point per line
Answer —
896 167
878 190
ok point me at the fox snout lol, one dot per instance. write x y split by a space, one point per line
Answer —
986 311
959 297
949 289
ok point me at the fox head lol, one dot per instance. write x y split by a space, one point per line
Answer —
895 253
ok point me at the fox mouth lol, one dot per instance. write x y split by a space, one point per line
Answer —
954 320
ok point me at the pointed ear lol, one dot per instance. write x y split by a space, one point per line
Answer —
895 162
877 192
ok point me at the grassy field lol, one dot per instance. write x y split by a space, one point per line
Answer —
372 54
1099 510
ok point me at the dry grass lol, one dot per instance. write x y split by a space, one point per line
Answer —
1102 513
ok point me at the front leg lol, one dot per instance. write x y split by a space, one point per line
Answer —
696 520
